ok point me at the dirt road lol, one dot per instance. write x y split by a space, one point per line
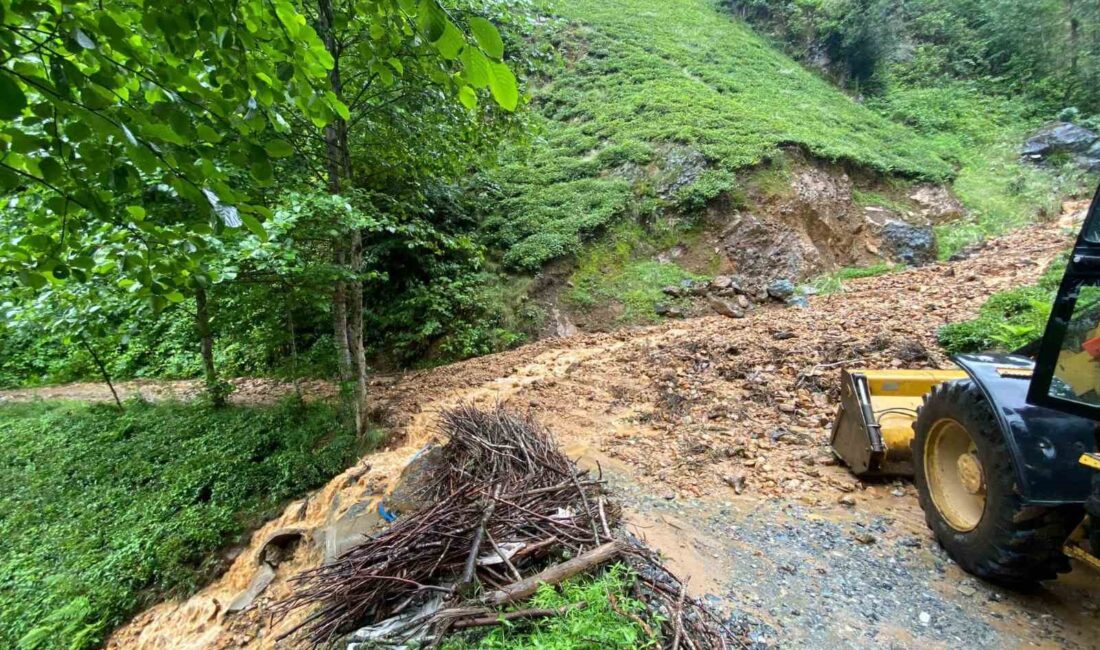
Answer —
714 431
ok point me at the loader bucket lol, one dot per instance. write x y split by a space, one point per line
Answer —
874 425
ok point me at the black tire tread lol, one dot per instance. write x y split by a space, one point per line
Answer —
1001 549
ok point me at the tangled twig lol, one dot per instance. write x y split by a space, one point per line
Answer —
503 486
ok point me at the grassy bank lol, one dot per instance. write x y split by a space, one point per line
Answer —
103 513
981 135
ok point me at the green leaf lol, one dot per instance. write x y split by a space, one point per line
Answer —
82 262
502 84
261 171
12 99
136 212
33 280
254 225
278 149
52 170
208 134
468 97
451 42
431 20
487 37
476 67
174 296
341 109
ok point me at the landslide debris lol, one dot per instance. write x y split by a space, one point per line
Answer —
503 509
680 407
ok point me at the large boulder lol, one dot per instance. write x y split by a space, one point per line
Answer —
904 242
1059 137
725 307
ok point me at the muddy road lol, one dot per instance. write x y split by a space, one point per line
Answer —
801 575
714 434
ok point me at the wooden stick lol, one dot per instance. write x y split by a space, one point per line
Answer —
678 623
471 559
553 575
532 549
603 518
507 562
511 616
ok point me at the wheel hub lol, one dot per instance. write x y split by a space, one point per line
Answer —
970 473
956 480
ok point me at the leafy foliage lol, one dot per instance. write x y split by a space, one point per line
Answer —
106 512
596 626
1045 49
139 154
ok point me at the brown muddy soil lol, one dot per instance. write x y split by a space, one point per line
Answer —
714 433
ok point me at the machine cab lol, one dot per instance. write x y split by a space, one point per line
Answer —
1066 377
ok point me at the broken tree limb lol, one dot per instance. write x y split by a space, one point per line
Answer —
553 575
475 547
519 614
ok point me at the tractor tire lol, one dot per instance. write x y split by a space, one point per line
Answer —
1002 539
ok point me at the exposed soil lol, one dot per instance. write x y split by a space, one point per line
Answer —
794 219
714 432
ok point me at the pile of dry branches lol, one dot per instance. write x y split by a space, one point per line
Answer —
505 505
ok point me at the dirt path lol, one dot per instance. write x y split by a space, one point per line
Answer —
681 414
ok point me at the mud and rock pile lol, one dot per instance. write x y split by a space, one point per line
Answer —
497 511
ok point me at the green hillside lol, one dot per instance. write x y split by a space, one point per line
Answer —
638 76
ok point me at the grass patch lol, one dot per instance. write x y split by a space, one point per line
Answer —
595 627
834 282
1002 195
1009 319
621 268
868 198
648 89
103 513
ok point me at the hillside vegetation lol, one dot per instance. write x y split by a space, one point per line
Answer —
641 114
191 190
656 83
974 76
107 512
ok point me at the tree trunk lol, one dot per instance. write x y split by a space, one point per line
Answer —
355 331
293 345
340 316
102 371
347 296
1074 45
206 336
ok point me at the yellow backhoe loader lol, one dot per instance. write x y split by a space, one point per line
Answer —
1002 448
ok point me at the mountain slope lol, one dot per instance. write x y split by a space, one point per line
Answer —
661 102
